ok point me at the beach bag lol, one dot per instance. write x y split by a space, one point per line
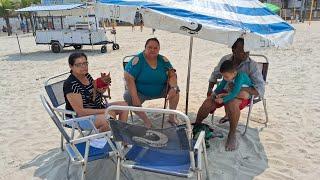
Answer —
209 132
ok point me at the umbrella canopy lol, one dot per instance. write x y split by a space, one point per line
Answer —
50 8
221 21
272 7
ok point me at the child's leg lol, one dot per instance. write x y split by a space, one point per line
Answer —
243 95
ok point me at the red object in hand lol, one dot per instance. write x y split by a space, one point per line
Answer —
100 83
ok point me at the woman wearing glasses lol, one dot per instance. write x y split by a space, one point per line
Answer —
78 91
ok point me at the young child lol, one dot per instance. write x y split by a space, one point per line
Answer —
101 85
230 86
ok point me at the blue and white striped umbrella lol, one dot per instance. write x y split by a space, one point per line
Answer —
221 21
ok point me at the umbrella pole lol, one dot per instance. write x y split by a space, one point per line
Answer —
188 77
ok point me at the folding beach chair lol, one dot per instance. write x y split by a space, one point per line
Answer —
125 61
84 149
263 66
168 151
54 89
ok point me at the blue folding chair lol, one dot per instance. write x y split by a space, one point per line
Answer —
82 150
168 151
54 89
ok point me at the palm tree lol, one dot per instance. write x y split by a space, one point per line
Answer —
5 8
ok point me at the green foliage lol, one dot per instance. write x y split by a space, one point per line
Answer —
5 7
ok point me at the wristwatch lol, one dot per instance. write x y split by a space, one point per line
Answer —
176 88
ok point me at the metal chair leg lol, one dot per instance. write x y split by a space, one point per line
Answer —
61 145
68 168
212 118
248 117
264 101
131 116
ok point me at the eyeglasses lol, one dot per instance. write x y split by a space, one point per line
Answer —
84 64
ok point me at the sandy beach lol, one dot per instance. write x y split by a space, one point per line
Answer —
287 149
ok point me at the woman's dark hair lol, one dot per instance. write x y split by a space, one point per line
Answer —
227 66
76 55
151 39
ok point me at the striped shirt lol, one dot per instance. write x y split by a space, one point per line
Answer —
73 85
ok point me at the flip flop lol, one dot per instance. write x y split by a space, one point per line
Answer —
224 120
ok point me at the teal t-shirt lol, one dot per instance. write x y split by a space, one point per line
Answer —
241 80
149 82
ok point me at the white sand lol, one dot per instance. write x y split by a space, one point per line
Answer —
287 149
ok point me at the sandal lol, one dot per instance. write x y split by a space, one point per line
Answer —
224 120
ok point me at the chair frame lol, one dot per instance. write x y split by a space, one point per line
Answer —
56 106
255 99
199 147
73 153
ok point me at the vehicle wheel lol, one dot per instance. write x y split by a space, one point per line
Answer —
77 47
103 49
115 46
56 47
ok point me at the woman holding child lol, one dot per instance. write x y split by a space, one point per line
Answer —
84 97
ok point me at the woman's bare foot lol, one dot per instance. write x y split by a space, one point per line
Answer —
148 124
231 143
174 122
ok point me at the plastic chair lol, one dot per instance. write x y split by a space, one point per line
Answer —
168 151
263 66
82 150
125 61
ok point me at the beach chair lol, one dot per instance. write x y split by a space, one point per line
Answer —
125 61
169 151
54 89
264 70
84 149
263 66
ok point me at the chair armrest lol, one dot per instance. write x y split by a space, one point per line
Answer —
199 141
90 137
84 118
64 111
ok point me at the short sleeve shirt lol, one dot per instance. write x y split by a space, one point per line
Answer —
149 81
73 85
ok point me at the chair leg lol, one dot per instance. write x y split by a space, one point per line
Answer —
131 116
83 169
264 101
118 168
68 168
205 160
61 145
248 117
212 118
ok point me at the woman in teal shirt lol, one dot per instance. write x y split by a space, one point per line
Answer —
147 75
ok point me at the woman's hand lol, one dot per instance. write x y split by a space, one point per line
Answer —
172 92
136 101
219 100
